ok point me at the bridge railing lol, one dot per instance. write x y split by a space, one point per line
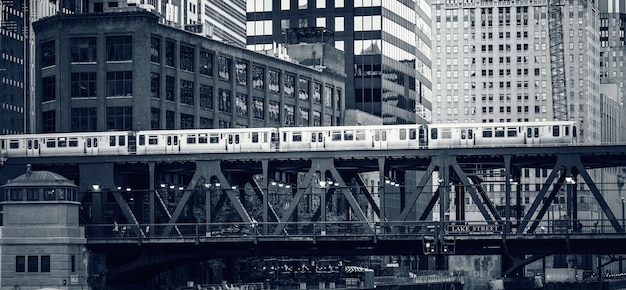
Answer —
391 230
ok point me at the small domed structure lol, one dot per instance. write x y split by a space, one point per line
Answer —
39 186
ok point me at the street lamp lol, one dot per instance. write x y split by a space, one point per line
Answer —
622 212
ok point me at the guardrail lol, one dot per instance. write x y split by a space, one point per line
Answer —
380 230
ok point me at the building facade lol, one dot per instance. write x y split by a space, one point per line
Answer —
125 71
492 63
386 43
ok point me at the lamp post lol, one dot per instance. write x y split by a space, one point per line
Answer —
622 212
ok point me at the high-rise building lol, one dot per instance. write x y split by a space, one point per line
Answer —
386 43
491 62
13 26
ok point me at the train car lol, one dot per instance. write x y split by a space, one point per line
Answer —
67 144
502 134
352 137
229 140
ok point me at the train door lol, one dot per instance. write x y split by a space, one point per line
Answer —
380 139
317 140
532 135
233 142
467 137
91 145
172 144
32 147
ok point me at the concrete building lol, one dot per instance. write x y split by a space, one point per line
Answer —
42 243
387 47
125 71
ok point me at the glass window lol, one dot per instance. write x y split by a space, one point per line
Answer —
20 264
273 110
48 56
16 194
155 118
224 67
48 119
320 3
155 50
258 77
119 118
339 3
206 97
119 48
155 85
303 89
206 63
170 49
33 264
48 90
303 121
258 108
186 58
169 88
317 93
290 116
241 73
289 86
224 100
186 121
84 120
186 92
285 5
119 83
32 194
303 4
84 85
83 49
274 81
241 104
339 23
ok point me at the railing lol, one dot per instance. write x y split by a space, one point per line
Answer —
386 230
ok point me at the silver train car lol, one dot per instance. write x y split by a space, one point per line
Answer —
289 139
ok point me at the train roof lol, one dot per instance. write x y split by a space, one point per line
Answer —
66 134
367 127
206 131
509 124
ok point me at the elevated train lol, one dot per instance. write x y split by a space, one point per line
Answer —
288 139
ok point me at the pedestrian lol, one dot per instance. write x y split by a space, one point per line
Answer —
116 228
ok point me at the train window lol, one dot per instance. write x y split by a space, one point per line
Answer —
402 134
88 142
230 139
14 144
499 132
202 139
446 134
62 142
313 137
51 142
36 144
95 142
214 138
191 139
377 135
536 131
360 135
433 133
555 131
566 130
121 141
237 139
574 131
153 140
320 137
463 134
255 137
142 140
73 142
529 133
348 135
112 141
511 132
412 134
296 137
383 135
487 133
169 140
336 135
470 134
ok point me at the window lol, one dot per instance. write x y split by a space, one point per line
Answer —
119 48
155 118
119 83
45 263
224 68
48 120
33 264
289 86
206 63
186 92
84 119
32 194
155 85
119 118
169 120
303 89
317 93
224 100
206 97
258 77
274 81
304 117
186 58
274 111
48 56
48 90
170 49
290 118
83 85
241 104
20 264
241 73
186 121
155 50
257 108
83 49
169 88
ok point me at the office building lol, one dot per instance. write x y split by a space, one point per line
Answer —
387 47
125 71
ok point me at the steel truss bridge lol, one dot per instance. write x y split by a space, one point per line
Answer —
173 208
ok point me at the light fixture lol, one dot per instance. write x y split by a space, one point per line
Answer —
163 185
128 189
218 184
323 183
570 180
95 187
387 181
181 188
288 186
273 182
